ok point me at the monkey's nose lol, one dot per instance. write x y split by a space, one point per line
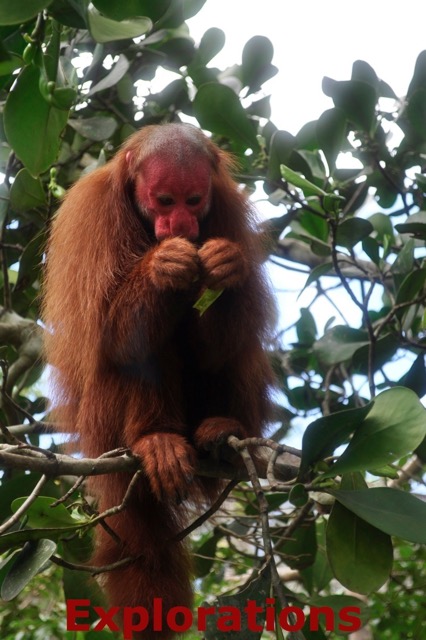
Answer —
185 226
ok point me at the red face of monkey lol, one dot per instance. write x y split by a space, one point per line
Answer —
175 197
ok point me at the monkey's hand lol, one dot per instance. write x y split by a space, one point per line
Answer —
212 434
168 461
223 264
173 264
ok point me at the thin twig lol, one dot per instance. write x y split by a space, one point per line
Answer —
120 507
25 505
94 570
215 506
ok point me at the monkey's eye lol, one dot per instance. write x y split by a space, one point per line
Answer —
165 201
193 200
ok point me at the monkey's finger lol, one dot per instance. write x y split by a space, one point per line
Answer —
225 276
174 275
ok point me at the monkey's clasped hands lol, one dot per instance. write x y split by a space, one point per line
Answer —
176 264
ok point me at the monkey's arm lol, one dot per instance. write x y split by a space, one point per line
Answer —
148 303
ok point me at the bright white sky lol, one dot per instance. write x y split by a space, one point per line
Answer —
314 38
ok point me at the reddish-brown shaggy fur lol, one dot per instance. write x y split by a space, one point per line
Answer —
136 366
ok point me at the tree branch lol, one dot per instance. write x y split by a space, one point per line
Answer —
25 457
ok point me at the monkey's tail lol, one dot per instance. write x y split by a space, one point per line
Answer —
160 577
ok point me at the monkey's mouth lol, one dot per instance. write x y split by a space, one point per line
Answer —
175 226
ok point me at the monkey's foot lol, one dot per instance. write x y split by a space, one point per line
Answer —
213 433
169 461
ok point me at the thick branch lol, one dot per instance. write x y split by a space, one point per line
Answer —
13 457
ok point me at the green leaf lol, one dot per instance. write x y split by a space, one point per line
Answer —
301 550
98 128
416 112
306 328
360 555
260 108
311 226
8 66
421 180
64 97
324 435
317 577
416 229
15 487
191 7
51 52
70 13
353 230
61 72
22 11
331 133
125 89
411 287
207 299
307 136
386 192
395 426
218 109
132 8
415 378
339 344
372 248
281 148
314 161
332 203
274 500
386 472
361 70
211 43
385 349
33 127
204 555
316 273
393 511
404 262
41 514
26 192
19 538
25 566
298 495
117 72
105 30
418 80
355 98
256 62
386 91
308 188
382 225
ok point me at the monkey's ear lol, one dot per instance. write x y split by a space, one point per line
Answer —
129 156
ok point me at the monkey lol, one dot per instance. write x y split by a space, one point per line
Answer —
133 246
